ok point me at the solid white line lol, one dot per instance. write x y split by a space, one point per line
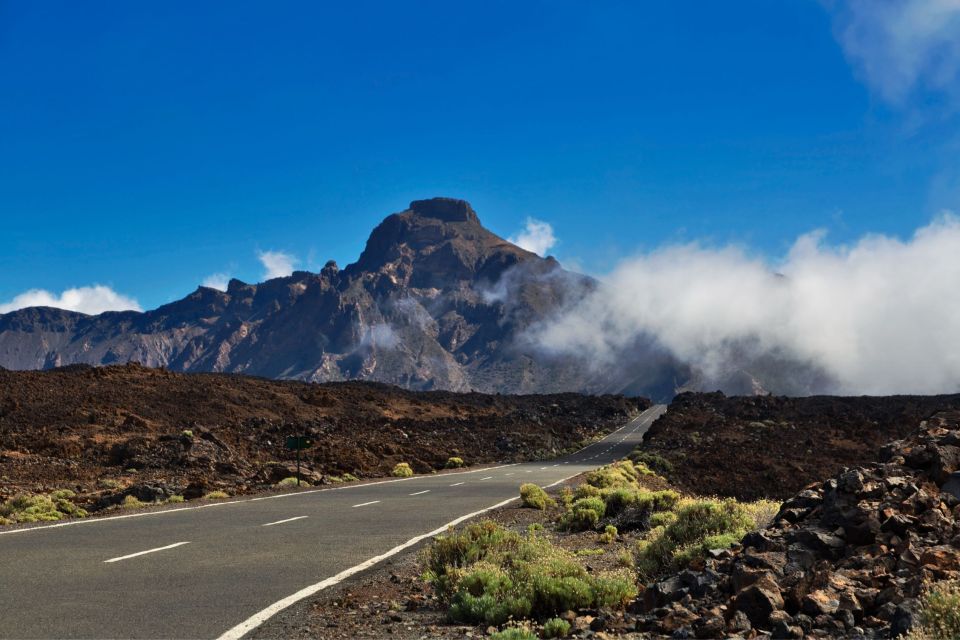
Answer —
456 484
257 619
142 553
363 504
270 524
420 493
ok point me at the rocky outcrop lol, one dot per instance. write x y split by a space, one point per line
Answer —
844 558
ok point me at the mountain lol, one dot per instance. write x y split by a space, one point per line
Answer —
434 301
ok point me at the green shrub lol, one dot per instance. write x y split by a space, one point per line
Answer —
187 433
450 553
556 628
349 477
291 481
653 461
454 462
586 491
132 502
939 616
625 559
609 534
699 525
108 483
566 497
175 499
402 470
217 495
40 508
533 496
514 633
585 513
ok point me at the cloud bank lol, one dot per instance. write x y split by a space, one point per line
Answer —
91 300
537 236
880 316
900 46
217 281
276 264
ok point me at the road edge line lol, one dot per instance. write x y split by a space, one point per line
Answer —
262 616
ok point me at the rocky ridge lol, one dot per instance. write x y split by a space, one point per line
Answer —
846 557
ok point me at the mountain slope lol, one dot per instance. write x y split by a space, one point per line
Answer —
434 301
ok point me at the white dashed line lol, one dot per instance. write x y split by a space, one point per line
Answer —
508 474
456 484
363 504
420 493
487 478
270 524
141 553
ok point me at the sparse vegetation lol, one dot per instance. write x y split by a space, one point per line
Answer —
40 508
132 502
609 534
514 633
556 628
655 462
349 477
939 617
216 495
402 470
535 497
488 575
175 499
291 481
187 433
454 462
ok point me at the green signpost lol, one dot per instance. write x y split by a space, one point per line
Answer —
298 443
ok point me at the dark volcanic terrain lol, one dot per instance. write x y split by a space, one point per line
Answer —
109 432
770 447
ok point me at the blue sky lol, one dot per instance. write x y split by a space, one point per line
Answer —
146 147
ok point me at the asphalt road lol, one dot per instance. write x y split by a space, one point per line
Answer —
212 571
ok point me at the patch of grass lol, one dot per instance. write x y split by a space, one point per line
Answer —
535 497
349 477
175 499
514 633
454 462
655 462
625 559
609 534
556 628
40 508
131 502
698 525
939 616
187 433
216 495
489 575
401 470
108 483
291 481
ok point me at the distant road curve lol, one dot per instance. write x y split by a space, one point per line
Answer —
220 570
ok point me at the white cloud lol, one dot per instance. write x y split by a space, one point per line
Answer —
90 300
217 281
276 264
881 316
900 46
537 236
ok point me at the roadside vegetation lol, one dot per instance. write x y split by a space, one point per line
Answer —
402 470
939 617
40 508
455 462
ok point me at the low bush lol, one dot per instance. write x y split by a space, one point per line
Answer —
514 633
556 628
939 616
349 477
132 502
698 526
454 462
217 495
654 462
291 481
402 470
175 499
609 534
40 508
584 513
489 575
535 497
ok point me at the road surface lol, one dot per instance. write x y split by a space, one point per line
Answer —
217 571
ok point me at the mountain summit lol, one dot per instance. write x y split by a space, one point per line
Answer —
434 301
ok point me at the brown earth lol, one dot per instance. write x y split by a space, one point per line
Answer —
751 447
109 432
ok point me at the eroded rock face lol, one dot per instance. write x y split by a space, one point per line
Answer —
844 558
435 301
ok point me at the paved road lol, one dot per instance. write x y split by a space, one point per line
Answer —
204 572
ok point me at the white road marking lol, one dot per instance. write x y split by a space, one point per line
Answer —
420 493
508 474
529 471
270 524
142 553
542 468
363 504
487 478
456 484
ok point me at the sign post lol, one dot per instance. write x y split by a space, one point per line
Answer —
298 443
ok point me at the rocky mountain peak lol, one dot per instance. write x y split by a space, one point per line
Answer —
445 209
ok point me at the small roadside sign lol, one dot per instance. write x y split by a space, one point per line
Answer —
298 443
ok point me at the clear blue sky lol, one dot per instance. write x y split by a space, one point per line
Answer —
146 146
